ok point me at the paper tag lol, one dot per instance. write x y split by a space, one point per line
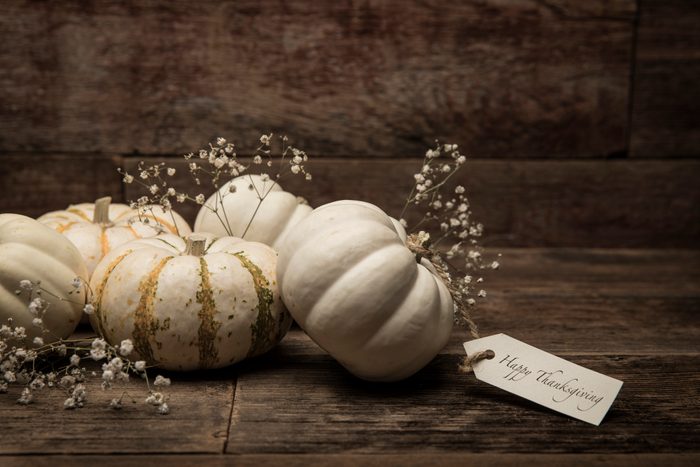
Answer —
544 378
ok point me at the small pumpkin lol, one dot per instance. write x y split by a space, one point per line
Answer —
237 202
190 304
96 228
31 251
349 280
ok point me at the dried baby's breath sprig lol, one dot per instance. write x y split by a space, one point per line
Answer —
446 234
35 365
218 164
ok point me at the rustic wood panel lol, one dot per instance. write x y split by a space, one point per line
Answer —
370 460
33 184
200 408
504 79
441 410
666 104
525 203
596 272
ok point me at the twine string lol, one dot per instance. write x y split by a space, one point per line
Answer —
463 313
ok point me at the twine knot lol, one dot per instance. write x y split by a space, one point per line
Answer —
417 246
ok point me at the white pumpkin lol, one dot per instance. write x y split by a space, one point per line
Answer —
350 282
279 212
96 228
30 250
194 304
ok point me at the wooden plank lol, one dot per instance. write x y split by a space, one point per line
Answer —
33 184
596 272
440 410
504 79
666 99
370 460
200 406
524 203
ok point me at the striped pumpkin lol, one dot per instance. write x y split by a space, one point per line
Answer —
237 205
96 228
190 304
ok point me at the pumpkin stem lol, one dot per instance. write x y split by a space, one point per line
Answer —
195 245
101 214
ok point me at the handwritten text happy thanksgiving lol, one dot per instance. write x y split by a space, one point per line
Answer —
565 386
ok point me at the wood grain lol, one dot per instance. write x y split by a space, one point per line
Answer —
32 184
522 203
504 79
666 100
200 407
440 410
370 460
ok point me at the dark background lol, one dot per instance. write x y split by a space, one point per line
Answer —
580 118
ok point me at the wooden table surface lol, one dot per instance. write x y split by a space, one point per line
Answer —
630 314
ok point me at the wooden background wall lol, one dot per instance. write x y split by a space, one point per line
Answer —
580 117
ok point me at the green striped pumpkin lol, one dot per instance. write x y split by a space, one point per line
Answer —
190 304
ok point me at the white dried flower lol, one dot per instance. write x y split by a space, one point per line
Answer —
26 397
170 171
126 347
163 409
200 198
161 381
36 306
423 237
88 309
